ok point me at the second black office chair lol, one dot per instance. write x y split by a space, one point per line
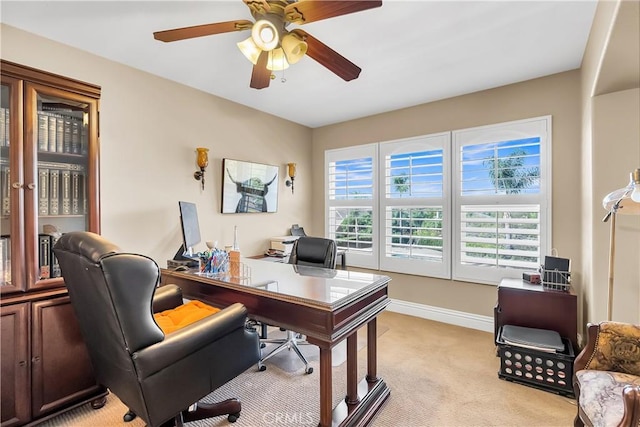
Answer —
312 252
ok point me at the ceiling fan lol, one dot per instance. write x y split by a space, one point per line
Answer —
271 47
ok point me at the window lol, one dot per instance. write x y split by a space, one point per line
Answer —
350 176
501 199
415 206
471 204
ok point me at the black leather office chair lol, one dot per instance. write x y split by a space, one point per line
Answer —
307 252
157 375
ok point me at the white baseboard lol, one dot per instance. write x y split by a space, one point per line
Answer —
444 315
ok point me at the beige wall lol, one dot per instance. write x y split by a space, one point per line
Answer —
610 101
557 95
150 128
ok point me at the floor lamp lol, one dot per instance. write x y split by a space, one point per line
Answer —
624 201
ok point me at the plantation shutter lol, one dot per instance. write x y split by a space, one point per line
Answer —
351 198
502 199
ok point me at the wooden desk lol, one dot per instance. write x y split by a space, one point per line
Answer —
325 305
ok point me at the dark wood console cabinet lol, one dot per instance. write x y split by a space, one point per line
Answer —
48 131
533 306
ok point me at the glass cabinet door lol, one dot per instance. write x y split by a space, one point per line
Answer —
60 136
11 212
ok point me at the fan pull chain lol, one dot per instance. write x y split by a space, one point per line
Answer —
283 79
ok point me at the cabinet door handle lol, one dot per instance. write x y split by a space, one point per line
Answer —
22 363
16 185
31 186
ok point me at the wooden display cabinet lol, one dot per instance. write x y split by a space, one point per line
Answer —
49 185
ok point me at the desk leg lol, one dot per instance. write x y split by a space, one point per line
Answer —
325 387
352 369
372 351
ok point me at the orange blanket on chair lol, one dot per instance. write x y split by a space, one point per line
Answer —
181 316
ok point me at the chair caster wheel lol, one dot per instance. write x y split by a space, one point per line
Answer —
129 416
233 417
309 370
262 345
262 368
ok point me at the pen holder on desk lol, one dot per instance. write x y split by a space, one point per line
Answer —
234 263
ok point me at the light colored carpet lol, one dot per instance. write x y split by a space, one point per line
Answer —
439 375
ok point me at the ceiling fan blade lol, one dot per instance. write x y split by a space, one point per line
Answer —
305 11
202 30
260 77
328 57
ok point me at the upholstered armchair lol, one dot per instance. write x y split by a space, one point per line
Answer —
161 364
606 378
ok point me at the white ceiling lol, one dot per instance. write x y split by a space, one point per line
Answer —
410 52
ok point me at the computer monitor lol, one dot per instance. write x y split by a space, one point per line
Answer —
190 231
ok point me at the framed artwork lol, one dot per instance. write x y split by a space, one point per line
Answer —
249 187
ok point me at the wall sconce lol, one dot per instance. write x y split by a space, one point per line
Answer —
292 174
203 162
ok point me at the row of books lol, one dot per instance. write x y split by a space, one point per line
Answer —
5 260
47 262
61 189
61 133
4 127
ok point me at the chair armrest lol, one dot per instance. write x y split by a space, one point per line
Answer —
583 358
166 297
631 402
188 340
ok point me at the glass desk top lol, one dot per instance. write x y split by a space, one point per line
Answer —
316 285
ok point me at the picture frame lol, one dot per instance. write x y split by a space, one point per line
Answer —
249 187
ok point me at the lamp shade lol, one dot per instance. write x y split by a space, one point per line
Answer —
294 48
250 50
291 169
625 201
203 157
265 35
277 61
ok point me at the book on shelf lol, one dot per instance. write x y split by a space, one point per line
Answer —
43 190
77 192
75 137
43 132
65 193
52 132
59 133
44 255
7 123
66 135
55 265
5 260
3 127
54 191
5 187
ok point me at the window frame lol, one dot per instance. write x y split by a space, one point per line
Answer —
414 145
358 259
538 126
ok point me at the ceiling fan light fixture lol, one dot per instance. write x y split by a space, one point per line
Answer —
277 60
265 35
250 50
294 48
